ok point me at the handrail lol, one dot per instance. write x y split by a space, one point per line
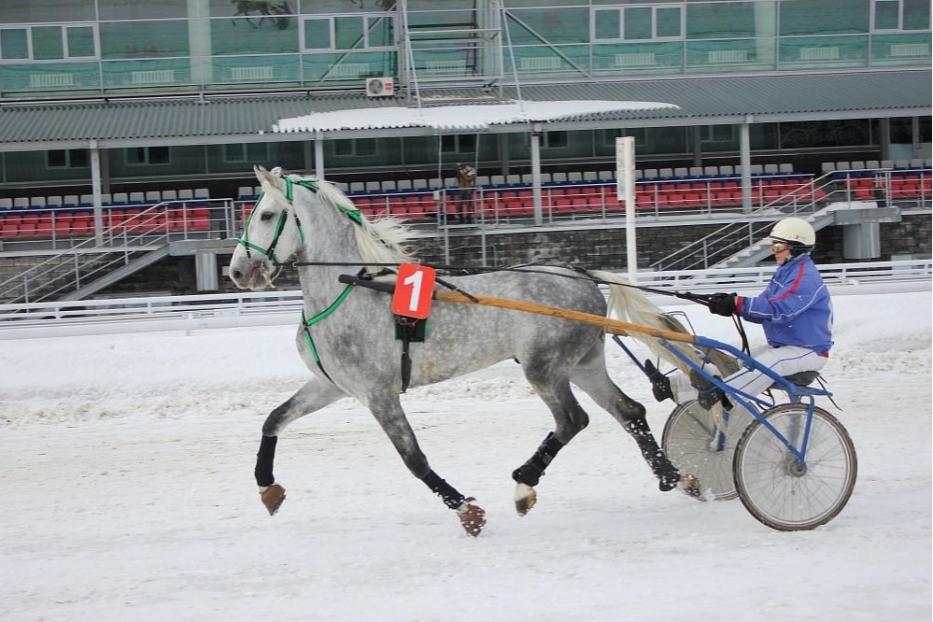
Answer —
148 230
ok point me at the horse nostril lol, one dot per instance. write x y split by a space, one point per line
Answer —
237 275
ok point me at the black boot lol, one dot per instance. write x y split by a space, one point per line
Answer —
660 384
708 394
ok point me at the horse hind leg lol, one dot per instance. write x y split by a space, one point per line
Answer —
590 375
387 409
314 395
570 419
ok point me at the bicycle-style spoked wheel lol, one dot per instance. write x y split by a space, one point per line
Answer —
692 441
776 488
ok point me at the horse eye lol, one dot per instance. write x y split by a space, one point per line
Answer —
266 216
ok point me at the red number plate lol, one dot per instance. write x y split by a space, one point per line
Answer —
413 290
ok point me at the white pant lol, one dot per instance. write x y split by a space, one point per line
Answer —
784 361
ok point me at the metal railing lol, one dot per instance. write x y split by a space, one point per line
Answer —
283 307
130 235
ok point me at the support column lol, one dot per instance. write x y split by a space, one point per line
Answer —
199 42
536 172
884 132
697 145
95 190
319 155
503 142
915 151
745 153
766 21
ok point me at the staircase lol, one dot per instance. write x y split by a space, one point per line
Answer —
746 243
136 242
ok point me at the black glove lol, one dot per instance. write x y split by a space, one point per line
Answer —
722 304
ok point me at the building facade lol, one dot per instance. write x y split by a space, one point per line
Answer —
161 93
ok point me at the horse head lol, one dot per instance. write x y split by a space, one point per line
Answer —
271 237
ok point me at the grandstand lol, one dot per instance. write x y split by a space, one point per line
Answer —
144 122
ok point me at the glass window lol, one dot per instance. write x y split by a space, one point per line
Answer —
348 33
720 20
916 15
77 158
317 34
448 143
13 44
147 155
667 22
56 159
554 140
121 9
606 24
234 153
365 146
39 11
127 40
343 147
379 32
80 41
887 14
553 25
820 17
637 23
47 43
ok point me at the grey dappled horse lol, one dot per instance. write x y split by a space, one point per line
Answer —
349 342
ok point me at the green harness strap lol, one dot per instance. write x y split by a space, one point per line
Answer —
307 323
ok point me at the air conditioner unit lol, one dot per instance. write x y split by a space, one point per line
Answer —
380 87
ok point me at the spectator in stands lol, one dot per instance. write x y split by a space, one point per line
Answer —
466 181
795 311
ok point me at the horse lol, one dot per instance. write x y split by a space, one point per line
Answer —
347 337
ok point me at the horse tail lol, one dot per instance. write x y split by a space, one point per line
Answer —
629 304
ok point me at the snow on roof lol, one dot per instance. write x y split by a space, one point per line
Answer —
457 117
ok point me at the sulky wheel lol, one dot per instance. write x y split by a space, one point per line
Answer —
694 443
776 488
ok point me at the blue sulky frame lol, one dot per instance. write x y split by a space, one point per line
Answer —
753 404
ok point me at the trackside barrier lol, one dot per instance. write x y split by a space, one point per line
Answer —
205 311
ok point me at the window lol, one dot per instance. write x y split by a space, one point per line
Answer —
48 42
659 22
717 133
249 153
355 147
900 15
554 140
70 158
347 32
147 155
458 143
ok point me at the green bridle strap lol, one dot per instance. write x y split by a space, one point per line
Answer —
307 323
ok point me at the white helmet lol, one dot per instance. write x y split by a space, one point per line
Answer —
797 231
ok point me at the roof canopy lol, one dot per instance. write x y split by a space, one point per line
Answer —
574 106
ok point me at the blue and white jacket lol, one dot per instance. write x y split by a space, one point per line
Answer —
795 309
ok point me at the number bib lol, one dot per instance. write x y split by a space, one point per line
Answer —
413 290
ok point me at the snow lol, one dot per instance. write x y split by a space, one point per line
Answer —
458 117
128 494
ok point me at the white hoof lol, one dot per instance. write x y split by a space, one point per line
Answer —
525 498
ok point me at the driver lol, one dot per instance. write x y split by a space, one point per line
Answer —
795 311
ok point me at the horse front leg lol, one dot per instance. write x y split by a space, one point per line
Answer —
391 417
314 395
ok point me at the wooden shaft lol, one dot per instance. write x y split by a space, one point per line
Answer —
615 327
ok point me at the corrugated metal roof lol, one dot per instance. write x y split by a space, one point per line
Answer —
238 119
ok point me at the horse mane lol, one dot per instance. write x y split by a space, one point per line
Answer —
379 241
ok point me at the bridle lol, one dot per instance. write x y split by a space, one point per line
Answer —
279 225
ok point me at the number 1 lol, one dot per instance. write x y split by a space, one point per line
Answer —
415 281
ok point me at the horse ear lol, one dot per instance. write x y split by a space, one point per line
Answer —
267 179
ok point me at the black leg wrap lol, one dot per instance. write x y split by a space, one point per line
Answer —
264 460
530 473
448 493
667 473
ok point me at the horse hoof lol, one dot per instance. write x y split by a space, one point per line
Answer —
472 517
525 498
272 497
690 484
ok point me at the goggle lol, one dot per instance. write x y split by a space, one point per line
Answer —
777 246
